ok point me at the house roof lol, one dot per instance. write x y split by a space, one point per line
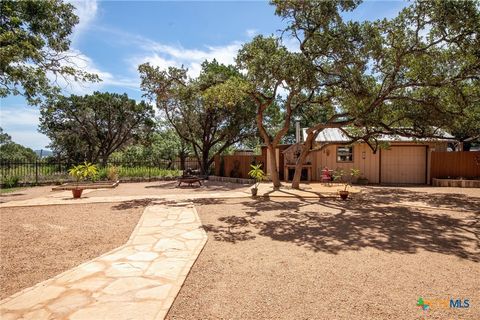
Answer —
336 135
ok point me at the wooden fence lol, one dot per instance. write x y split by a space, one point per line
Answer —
464 164
237 166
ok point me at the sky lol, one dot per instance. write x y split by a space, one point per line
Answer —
114 37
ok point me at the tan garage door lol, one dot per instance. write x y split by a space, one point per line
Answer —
403 164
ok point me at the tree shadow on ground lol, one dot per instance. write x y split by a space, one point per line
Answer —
234 230
208 201
441 200
333 226
137 203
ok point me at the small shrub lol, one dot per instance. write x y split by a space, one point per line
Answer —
113 173
84 171
102 174
11 181
257 174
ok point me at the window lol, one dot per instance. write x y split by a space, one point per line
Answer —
345 154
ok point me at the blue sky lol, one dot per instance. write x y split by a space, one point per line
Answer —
114 37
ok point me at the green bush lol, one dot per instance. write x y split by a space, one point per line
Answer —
11 181
113 173
102 174
146 172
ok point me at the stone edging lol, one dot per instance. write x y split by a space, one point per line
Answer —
231 180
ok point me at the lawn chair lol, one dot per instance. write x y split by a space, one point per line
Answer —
326 176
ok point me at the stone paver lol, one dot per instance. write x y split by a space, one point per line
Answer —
139 280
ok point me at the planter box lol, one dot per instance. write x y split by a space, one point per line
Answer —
92 185
232 180
458 183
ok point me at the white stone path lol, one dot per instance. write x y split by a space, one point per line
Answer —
139 280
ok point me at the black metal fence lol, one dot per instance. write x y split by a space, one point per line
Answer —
42 171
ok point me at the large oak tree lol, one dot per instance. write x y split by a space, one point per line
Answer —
34 45
92 127
389 76
275 78
210 112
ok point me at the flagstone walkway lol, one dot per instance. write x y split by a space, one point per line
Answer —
139 280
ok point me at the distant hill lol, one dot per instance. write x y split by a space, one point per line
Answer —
44 153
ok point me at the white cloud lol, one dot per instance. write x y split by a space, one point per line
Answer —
19 115
86 10
163 55
30 138
82 62
21 123
251 33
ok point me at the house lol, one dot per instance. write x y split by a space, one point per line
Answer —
406 160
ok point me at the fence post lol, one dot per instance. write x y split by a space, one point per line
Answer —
150 172
36 171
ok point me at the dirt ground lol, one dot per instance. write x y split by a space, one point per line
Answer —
165 187
38 243
27 193
368 258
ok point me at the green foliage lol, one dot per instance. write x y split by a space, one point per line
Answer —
33 42
4 137
83 171
10 181
345 177
113 173
11 151
164 145
148 172
94 126
210 113
416 70
257 173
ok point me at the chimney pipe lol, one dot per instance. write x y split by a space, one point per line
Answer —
297 132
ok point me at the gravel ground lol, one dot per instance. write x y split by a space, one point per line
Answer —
27 193
38 243
165 187
286 259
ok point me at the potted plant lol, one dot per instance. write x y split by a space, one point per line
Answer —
340 175
257 174
81 172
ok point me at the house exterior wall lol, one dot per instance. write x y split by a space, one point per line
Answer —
404 164
363 159
413 162
413 158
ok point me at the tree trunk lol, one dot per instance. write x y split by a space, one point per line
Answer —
306 147
273 167
205 164
182 157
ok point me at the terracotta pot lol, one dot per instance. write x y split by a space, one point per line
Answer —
343 195
77 193
254 191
